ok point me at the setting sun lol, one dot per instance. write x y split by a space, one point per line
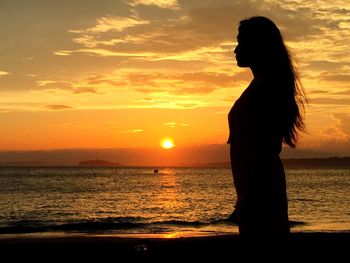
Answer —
167 143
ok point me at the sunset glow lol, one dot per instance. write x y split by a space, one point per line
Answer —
122 74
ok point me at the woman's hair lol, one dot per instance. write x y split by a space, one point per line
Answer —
269 50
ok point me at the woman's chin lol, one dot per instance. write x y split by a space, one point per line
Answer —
242 65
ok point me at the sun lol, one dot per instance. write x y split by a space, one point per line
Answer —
167 143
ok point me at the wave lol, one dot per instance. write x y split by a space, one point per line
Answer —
110 224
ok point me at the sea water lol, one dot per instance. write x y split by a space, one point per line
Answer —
170 202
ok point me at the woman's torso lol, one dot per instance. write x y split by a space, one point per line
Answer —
255 144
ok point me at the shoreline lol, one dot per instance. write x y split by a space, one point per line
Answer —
308 246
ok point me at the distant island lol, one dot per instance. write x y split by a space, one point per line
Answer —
302 163
306 163
97 163
314 163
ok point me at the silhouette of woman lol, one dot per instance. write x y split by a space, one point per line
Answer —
267 114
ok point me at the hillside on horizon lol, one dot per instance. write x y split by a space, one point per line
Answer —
312 163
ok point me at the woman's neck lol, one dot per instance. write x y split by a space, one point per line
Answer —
260 72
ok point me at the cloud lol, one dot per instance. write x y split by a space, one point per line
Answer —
187 105
148 90
80 90
194 77
171 4
183 83
4 73
103 53
343 122
325 65
62 52
339 77
170 124
317 92
330 101
180 33
42 83
109 25
75 87
344 92
336 137
58 107
131 131
53 84
183 32
162 82
194 90
204 32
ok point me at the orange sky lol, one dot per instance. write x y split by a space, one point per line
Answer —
111 74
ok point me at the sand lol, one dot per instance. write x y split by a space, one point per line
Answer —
303 247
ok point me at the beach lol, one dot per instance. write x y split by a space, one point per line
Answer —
303 247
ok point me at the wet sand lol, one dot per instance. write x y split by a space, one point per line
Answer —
303 247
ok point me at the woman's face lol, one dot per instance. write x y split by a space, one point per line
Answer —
244 52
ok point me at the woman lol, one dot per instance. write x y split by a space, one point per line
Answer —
267 114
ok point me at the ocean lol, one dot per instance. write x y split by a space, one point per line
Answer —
174 202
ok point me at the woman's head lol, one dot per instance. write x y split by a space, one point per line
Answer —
260 44
261 47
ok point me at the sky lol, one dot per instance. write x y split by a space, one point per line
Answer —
126 74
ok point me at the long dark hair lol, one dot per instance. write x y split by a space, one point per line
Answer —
270 51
